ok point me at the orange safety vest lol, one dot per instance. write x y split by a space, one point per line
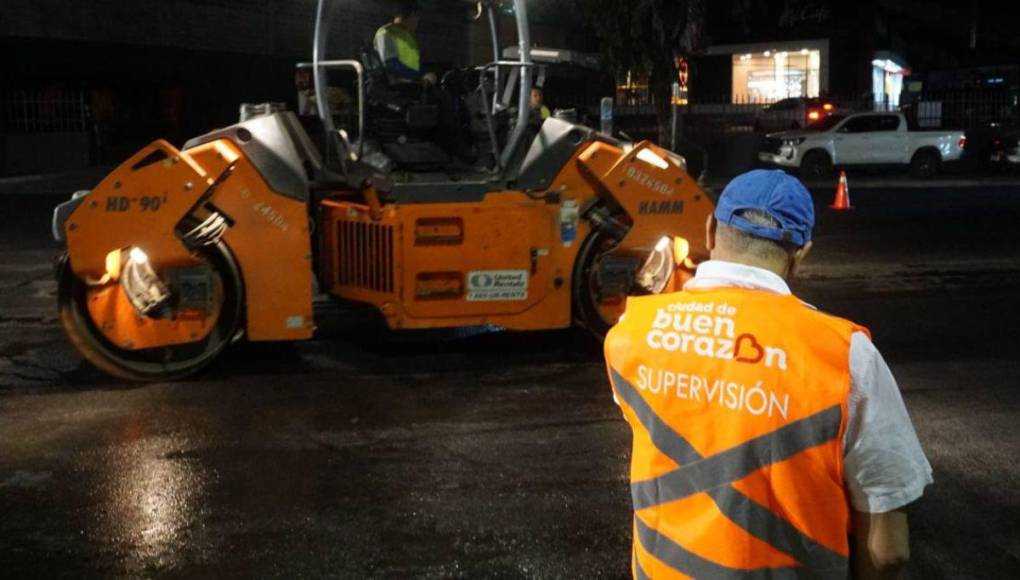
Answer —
738 404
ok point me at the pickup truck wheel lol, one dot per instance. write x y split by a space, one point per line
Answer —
925 164
816 165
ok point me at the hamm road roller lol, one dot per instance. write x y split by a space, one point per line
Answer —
180 252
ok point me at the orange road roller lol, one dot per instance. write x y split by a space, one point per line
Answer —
180 252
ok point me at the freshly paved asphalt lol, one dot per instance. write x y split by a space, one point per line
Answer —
367 455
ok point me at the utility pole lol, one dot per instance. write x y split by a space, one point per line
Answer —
973 24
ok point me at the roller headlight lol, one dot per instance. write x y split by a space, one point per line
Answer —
143 287
658 268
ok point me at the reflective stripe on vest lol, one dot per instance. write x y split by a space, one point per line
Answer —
724 488
398 50
639 572
752 517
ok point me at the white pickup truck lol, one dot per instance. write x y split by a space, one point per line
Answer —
862 139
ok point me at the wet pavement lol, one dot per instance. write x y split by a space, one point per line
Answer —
363 454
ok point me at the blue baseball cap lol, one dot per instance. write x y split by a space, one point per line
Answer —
775 193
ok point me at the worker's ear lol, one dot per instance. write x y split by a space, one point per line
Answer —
798 258
710 229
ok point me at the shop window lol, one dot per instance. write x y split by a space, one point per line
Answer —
769 76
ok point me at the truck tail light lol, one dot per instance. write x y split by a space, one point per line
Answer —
962 143
814 115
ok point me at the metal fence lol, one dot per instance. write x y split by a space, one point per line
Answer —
722 137
45 111
963 110
923 111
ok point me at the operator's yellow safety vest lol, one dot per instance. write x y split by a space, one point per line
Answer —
546 113
737 400
398 49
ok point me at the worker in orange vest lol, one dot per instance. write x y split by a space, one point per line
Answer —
767 436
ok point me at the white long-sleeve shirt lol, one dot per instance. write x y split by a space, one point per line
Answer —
885 467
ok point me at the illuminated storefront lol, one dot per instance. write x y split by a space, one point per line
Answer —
766 73
770 76
763 73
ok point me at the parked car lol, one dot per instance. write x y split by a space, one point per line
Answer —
863 139
793 113
1006 151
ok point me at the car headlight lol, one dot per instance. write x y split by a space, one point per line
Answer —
794 142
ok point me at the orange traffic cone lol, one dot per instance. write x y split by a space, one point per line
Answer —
842 201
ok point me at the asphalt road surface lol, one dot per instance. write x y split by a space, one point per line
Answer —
368 455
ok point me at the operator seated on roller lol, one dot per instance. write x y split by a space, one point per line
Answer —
398 50
398 47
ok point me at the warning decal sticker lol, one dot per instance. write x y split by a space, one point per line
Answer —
496 285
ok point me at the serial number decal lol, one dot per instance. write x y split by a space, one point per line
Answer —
272 216
144 203
497 285
661 207
656 185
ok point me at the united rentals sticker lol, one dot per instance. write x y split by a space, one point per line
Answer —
497 285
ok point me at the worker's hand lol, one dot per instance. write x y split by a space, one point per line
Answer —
881 545
430 79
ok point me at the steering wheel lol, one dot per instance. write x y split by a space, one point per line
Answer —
453 81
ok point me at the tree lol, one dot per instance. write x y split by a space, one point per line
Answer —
646 37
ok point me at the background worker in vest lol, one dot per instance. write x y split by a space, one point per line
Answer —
398 48
763 430
538 103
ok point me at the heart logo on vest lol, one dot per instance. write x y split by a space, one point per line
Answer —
750 343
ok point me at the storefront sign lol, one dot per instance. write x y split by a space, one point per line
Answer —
805 15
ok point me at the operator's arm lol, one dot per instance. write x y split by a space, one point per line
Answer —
398 70
885 467
881 545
